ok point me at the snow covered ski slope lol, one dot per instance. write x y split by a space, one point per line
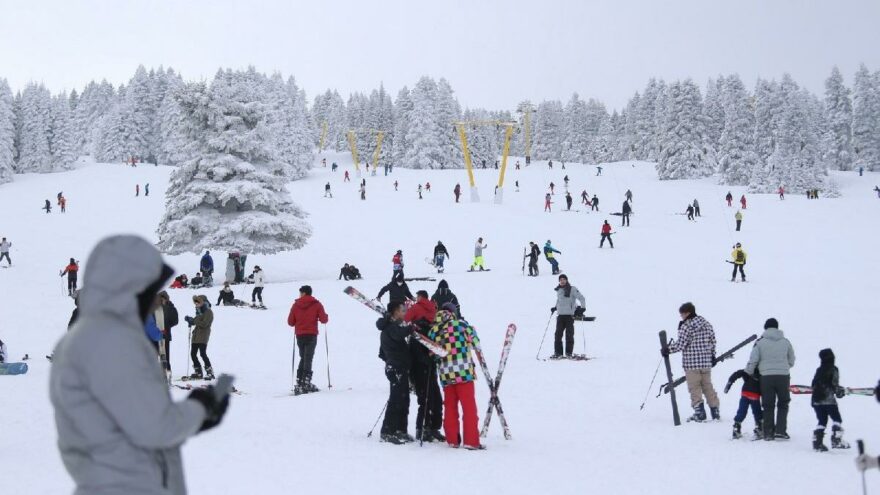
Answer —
576 426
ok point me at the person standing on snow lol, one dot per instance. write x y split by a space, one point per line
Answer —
457 374
567 299
742 201
48 207
773 357
257 293
397 290
629 195
478 255
305 314
585 198
201 333
568 200
826 391
690 212
119 431
327 193
696 208
4 251
565 179
696 342
534 252
440 253
346 177
606 234
146 189
729 198
750 398
420 191
394 351
456 192
423 372
443 296
71 271
739 219
625 212
549 250
397 263
63 204
547 203
137 189
594 205
739 262
781 193
167 318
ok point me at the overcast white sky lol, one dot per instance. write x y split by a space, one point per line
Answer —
493 52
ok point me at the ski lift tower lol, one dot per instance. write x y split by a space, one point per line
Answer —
461 127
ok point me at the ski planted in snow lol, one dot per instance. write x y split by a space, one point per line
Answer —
664 389
664 346
494 404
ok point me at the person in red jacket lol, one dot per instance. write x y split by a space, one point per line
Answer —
742 201
423 372
606 234
71 270
304 316
781 192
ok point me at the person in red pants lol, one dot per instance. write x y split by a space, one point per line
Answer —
457 375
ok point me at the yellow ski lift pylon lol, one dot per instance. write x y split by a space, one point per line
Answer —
465 149
352 143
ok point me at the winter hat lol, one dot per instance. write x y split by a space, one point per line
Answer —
443 284
827 357
563 276
688 307
449 307
771 323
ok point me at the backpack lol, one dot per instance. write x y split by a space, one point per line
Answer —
171 317
740 256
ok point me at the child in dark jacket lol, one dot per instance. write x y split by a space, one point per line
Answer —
394 350
826 391
750 397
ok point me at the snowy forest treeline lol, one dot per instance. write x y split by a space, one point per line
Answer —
774 134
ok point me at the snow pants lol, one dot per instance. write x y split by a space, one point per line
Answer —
825 411
430 413
738 225
741 272
533 267
5 255
438 262
257 294
306 345
624 220
564 324
194 351
744 405
554 264
604 237
478 263
699 383
461 393
775 397
71 282
397 412
167 343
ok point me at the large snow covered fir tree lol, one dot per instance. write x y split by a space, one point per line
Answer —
866 119
837 141
683 155
230 194
7 133
424 147
737 159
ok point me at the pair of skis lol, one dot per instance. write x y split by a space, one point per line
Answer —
666 387
805 389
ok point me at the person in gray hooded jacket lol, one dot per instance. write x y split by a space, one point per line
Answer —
567 299
119 432
773 357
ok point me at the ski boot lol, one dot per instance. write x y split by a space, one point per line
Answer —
475 447
308 386
837 441
556 357
391 438
782 436
716 413
759 433
699 415
196 375
436 435
818 436
737 431
404 437
209 373
298 387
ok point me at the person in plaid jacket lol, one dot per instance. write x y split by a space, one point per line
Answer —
696 342
457 374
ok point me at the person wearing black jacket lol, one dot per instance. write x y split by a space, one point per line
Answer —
395 352
423 372
750 398
625 211
397 290
533 259
440 253
169 312
443 295
826 391
349 272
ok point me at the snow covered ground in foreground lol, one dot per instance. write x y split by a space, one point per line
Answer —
577 427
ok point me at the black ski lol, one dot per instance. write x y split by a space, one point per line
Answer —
664 389
664 346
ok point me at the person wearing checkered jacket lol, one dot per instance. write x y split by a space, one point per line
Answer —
696 342
457 375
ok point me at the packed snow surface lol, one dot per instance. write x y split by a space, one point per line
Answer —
576 426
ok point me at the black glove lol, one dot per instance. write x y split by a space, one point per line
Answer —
664 352
840 392
727 387
214 409
188 319
580 310
714 361
552 310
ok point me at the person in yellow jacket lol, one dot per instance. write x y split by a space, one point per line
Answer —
739 219
739 261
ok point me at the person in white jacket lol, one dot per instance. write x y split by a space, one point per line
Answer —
4 250
258 286
118 430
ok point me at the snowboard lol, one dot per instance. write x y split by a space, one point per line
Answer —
420 279
377 307
13 368
484 270
664 389
806 389
257 306
190 386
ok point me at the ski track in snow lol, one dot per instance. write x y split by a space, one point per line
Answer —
576 426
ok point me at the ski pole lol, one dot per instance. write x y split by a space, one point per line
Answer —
327 347
377 419
293 365
652 384
861 445
537 356
189 344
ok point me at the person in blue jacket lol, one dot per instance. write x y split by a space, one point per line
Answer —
152 330
548 253
207 268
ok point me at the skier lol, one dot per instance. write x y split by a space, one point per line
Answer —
428 186
4 251
397 263
598 171
349 272
420 191
742 201
739 262
226 297
206 265
395 185
146 189
394 351
478 255
118 429
739 219
516 183
137 189
440 253
696 208
457 374
305 313
585 198
63 204
826 391
201 333
567 299
568 200
877 190
690 212
166 318
781 193
773 357
2 352
552 187
59 196
423 372
443 296
729 198
397 290
324 162
327 193
565 179
346 177
71 271
363 191
629 195
257 293
750 398
606 234
550 164
549 250
517 167
534 252
625 212
547 203
48 207
594 205
696 342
